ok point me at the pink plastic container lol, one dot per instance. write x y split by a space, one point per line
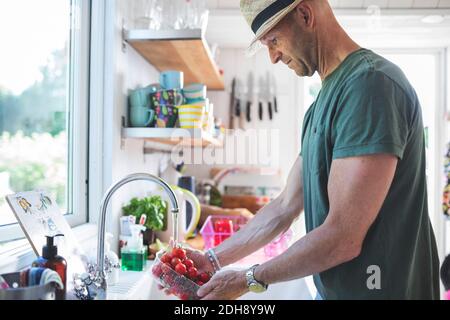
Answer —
214 233
279 245
213 236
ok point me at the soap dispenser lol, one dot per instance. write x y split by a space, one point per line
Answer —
51 260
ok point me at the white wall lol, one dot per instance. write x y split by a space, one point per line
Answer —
126 156
289 87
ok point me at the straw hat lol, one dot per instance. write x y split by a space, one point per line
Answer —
263 15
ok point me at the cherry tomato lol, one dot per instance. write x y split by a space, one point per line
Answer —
192 273
204 277
200 283
179 253
157 270
168 280
166 258
223 226
166 267
188 263
175 261
181 268
184 296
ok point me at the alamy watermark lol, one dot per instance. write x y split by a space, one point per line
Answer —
374 280
238 147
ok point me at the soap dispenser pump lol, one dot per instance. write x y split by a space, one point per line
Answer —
51 260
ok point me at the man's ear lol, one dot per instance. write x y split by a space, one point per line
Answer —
304 14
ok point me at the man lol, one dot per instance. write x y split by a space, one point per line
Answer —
360 178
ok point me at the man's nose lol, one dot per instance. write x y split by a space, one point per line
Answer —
275 55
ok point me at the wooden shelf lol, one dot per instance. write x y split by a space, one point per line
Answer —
184 50
172 136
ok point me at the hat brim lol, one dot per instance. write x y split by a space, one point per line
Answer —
256 45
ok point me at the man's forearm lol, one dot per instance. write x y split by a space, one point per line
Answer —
319 250
269 222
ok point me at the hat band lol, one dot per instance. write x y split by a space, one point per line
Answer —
269 12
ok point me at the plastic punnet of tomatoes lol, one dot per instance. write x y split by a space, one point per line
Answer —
178 274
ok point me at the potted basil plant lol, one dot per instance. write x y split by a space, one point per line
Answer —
155 209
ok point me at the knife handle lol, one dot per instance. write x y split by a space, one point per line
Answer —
249 105
270 111
238 108
260 111
275 104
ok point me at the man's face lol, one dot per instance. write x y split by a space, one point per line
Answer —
291 42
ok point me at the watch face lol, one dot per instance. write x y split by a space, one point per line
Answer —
257 288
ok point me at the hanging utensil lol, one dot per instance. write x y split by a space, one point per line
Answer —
250 84
268 90
232 102
274 90
261 97
238 105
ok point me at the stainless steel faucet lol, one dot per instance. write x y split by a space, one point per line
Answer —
95 284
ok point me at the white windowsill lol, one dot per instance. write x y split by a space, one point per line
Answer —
19 254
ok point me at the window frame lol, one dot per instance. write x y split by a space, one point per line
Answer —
77 121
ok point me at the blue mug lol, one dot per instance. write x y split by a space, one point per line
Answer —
170 80
141 97
141 117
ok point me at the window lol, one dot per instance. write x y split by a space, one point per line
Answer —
44 105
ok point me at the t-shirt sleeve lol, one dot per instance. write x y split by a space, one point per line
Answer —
371 117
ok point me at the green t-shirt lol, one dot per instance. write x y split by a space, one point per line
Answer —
367 106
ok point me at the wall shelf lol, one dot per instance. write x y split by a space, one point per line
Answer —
171 137
184 50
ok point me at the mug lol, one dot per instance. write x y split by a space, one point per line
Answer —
166 97
166 116
195 92
191 116
170 80
141 96
141 117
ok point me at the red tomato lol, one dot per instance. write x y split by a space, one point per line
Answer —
184 296
223 226
179 253
200 283
188 263
192 273
181 268
203 277
175 261
168 280
157 270
166 258
166 267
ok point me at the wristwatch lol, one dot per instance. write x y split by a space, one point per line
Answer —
253 284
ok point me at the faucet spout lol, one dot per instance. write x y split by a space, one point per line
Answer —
100 273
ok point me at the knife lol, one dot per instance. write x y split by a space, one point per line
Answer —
268 92
274 88
262 92
232 102
250 83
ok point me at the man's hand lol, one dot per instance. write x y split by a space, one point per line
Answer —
226 285
200 259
